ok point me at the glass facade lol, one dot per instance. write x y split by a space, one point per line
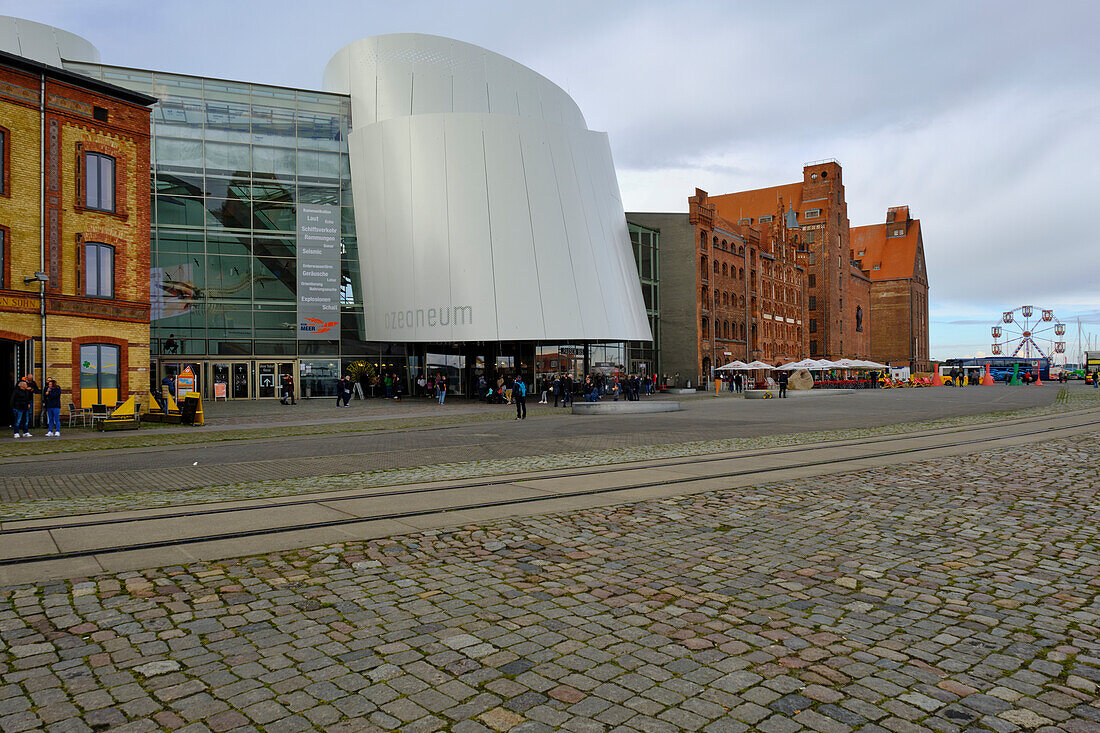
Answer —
644 356
230 163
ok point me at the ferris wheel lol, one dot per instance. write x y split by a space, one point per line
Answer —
1029 333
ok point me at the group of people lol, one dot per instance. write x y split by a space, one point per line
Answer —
563 388
22 406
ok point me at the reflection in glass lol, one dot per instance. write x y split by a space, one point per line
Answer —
274 216
229 213
226 158
274 162
280 276
228 278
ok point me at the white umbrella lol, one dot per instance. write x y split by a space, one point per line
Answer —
732 366
788 367
758 365
823 364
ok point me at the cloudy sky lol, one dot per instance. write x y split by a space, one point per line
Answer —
984 117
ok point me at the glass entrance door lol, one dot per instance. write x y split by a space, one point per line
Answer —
238 387
231 380
268 384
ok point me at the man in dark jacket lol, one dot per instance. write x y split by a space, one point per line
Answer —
22 406
783 377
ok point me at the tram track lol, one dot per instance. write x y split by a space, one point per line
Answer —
330 502
564 473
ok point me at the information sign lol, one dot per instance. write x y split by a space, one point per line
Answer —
318 272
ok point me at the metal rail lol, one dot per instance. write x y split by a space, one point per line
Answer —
497 503
631 466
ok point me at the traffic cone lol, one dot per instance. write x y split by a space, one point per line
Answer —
987 380
937 380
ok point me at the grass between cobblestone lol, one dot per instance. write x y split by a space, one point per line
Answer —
48 507
957 593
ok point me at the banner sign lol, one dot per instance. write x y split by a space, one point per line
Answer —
318 272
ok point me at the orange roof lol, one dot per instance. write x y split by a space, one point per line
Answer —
757 203
896 257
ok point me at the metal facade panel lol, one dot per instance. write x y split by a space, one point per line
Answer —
553 265
471 250
593 310
519 306
497 215
430 248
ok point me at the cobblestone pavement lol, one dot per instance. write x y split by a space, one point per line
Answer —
62 493
954 594
108 480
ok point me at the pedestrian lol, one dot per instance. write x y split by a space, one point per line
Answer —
783 377
51 400
483 390
1096 379
22 406
545 391
556 387
566 391
170 384
343 391
441 388
519 394
395 384
288 390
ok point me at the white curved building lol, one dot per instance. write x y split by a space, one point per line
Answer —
44 43
486 208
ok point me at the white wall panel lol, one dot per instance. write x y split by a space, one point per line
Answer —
468 222
495 201
430 237
560 305
519 305
590 301
398 213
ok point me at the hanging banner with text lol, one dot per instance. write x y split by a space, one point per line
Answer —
318 272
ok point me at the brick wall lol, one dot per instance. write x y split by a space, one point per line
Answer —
72 317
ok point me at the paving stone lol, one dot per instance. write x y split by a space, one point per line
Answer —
965 612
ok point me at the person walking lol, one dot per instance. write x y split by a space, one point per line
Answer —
396 385
519 394
783 377
556 387
51 400
22 405
288 389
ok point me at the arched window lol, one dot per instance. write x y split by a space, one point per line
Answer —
715 242
741 301
741 250
704 296
715 267
703 265
725 244
702 240
703 326
742 331
724 271
740 273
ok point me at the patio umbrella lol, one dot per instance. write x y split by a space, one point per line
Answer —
732 366
758 365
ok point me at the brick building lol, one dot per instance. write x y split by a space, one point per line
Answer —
891 254
728 290
838 291
79 276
